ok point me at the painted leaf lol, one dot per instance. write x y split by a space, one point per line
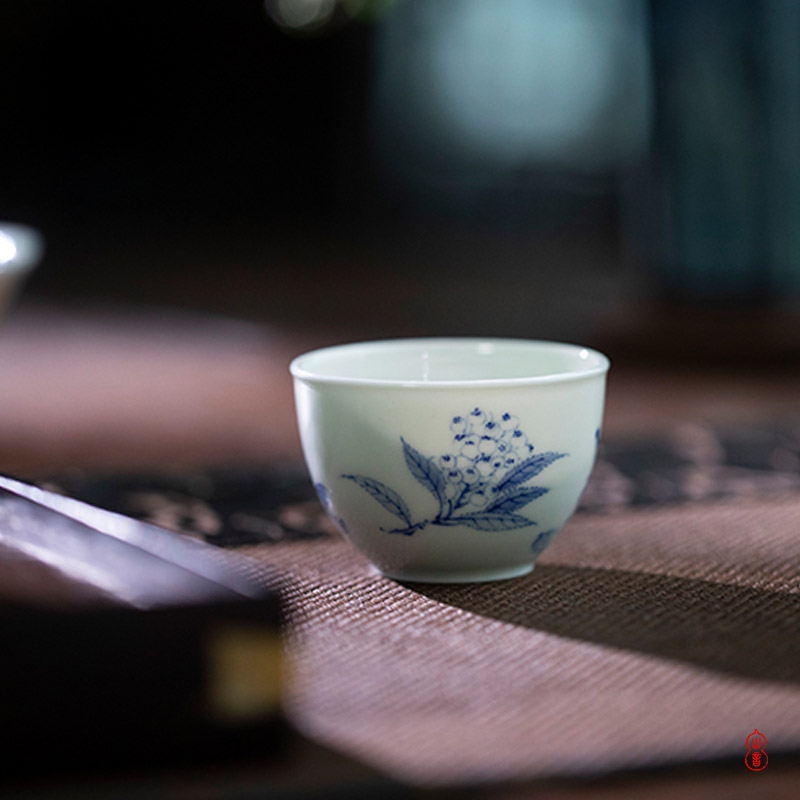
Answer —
518 499
528 469
542 540
502 521
425 470
387 497
324 495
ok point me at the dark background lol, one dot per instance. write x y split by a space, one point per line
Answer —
204 156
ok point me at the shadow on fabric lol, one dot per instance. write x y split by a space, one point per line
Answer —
744 631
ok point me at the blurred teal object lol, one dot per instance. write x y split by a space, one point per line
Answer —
471 94
724 206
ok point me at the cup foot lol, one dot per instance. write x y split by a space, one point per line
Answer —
466 576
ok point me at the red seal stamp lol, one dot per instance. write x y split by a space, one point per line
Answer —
756 758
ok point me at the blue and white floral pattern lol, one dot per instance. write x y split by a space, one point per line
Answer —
482 483
324 494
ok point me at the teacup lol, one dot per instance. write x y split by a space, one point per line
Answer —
450 460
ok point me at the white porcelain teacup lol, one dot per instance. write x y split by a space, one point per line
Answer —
450 460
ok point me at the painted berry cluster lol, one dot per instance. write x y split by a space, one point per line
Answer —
481 483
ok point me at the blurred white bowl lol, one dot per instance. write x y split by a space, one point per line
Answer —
21 249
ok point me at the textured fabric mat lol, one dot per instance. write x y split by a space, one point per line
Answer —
236 506
662 626
643 637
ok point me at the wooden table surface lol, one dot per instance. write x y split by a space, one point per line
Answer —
130 388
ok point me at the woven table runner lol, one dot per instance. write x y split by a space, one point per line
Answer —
641 638
652 631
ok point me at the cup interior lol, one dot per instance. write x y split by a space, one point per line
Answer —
449 362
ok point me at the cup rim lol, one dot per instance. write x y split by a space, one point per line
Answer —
596 363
